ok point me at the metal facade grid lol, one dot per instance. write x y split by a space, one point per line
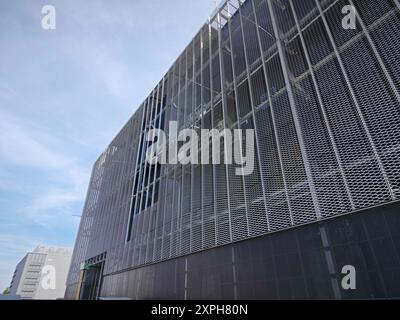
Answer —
325 105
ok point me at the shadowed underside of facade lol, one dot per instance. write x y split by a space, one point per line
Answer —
324 102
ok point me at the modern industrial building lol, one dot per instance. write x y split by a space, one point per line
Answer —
324 101
42 274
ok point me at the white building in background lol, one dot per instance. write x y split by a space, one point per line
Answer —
42 273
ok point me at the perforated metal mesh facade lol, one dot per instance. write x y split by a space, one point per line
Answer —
325 106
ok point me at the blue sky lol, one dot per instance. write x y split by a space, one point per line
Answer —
64 94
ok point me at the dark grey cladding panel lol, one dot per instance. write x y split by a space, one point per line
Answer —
300 263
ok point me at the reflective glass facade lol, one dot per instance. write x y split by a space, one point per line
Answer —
324 102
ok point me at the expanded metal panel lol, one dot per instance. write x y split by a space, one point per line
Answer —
302 209
175 222
149 255
185 226
317 41
250 34
327 174
275 75
221 205
303 8
333 16
275 189
360 165
197 218
238 51
284 16
209 218
389 49
378 105
265 25
296 60
259 88
237 202
372 11
324 3
167 227
244 104
324 102
256 214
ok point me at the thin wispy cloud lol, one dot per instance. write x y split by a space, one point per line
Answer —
64 94
18 146
6 92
